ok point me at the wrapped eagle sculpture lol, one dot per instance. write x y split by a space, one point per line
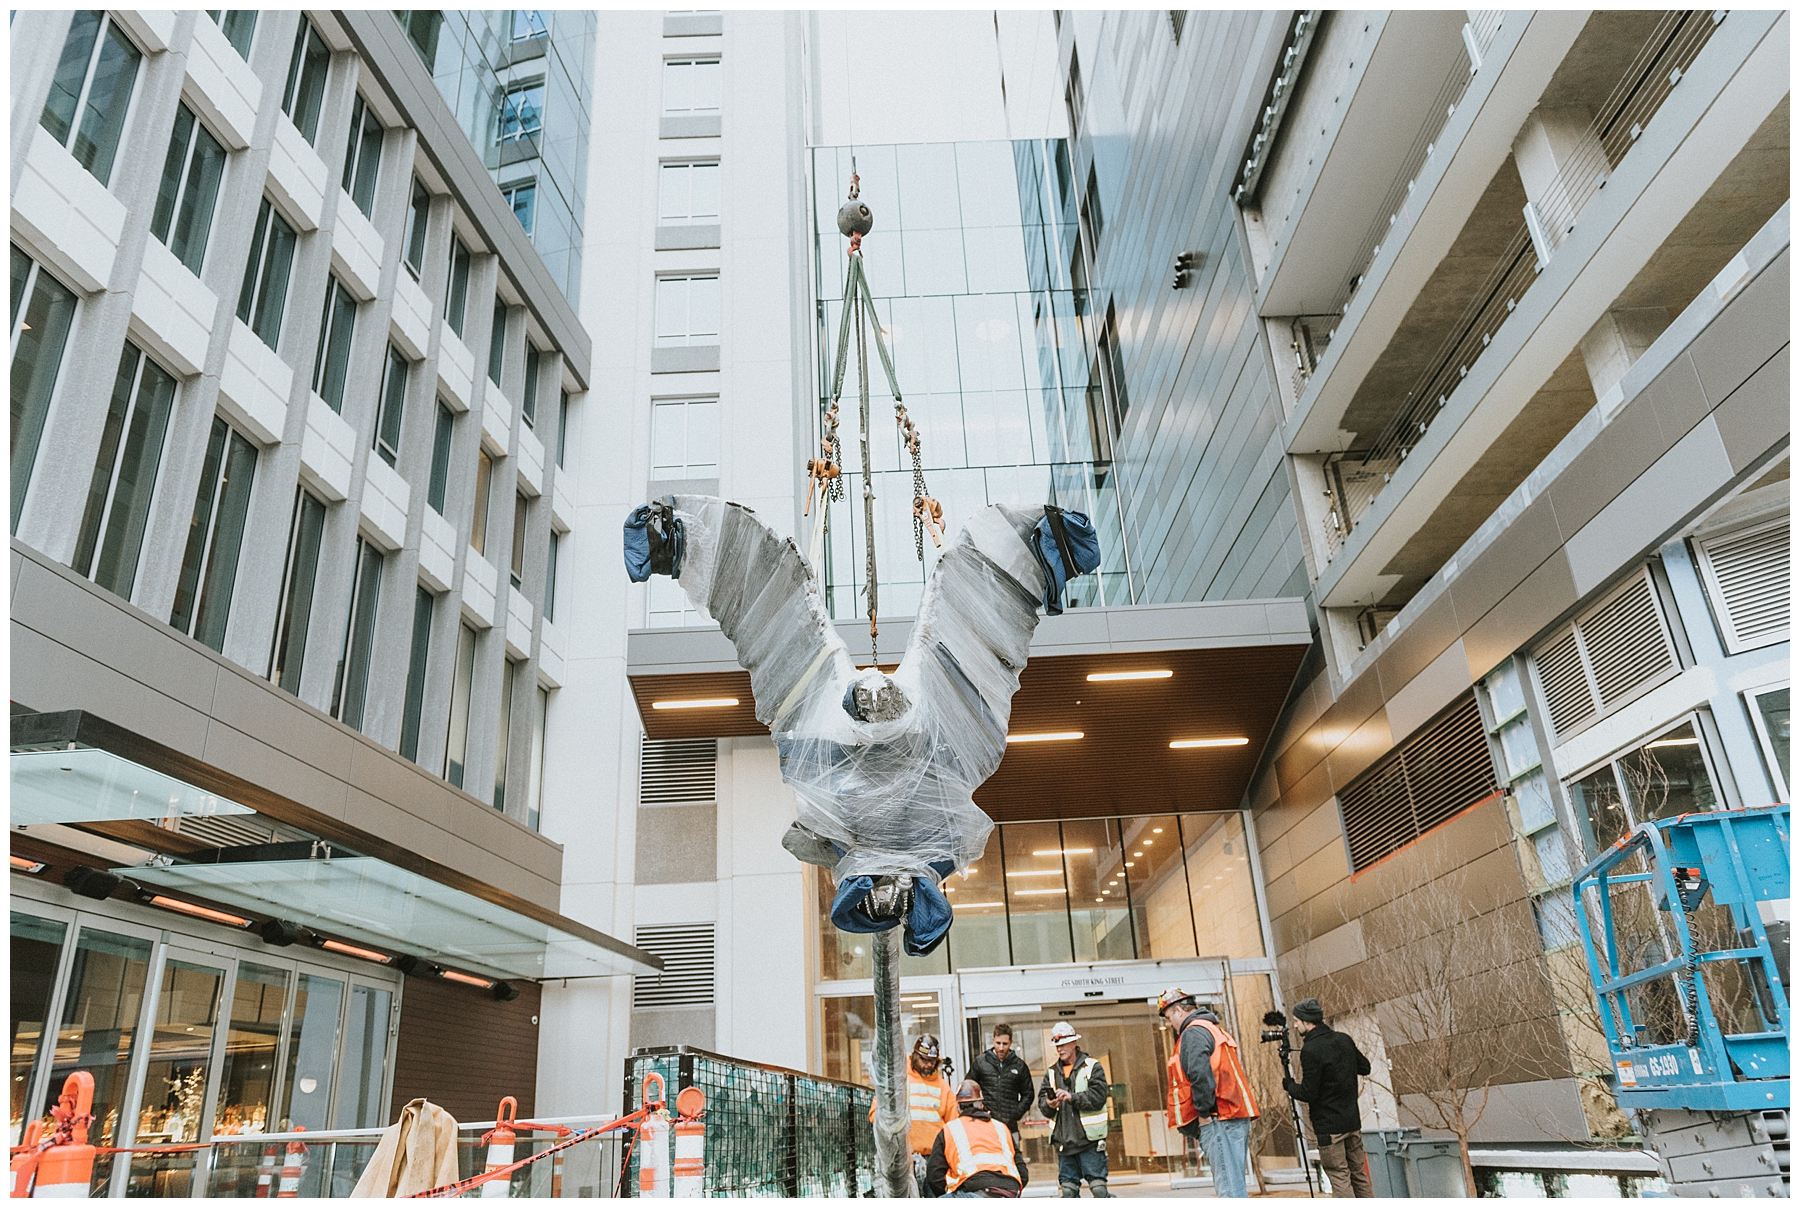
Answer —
884 766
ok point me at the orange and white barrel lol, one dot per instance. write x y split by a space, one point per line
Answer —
265 1173
653 1142
688 1181
292 1170
500 1148
24 1163
66 1171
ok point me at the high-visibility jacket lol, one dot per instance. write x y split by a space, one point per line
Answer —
972 1146
930 1105
1231 1093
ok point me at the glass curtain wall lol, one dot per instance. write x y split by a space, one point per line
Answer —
991 357
1080 890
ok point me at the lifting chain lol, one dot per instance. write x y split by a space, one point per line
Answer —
928 513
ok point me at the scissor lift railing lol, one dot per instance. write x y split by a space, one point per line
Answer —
1738 859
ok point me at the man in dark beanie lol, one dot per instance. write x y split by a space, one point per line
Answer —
1329 1065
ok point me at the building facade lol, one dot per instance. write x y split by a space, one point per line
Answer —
290 387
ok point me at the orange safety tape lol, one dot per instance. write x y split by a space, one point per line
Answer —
587 1134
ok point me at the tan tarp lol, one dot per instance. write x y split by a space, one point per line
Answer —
416 1154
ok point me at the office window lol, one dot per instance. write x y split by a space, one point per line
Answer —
1669 775
522 112
1090 211
497 342
534 797
215 537
484 478
456 297
362 159
94 79
349 691
418 215
562 425
690 86
1072 95
305 88
687 311
684 438
1177 23
445 429
1774 731
550 575
337 324
42 310
528 404
424 604
422 28
521 511
462 687
690 193
190 187
528 23
522 197
393 406
1113 371
264 294
298 578
508 678
131 444
239 25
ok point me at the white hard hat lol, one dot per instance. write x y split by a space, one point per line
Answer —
1063 1033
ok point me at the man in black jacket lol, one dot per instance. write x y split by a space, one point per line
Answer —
1329 1065
1005 1080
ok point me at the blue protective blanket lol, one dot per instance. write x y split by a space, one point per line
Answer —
1065 546
655 540
926 925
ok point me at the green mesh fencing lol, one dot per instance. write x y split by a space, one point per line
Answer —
769 1131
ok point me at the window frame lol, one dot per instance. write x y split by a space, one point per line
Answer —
362 175
418 228
97 526
337 335
687 468
534 360
76 119
690 218
521 526
539 29
496 368
1692 718
1778 775
507 109
390 406
37 419
350 683
418 666
509 682
551 556
282 660
224 18
253 295
690 61
686 338
462 696
456 286
443 440
207 532
199 238
298 82
484 490
512 192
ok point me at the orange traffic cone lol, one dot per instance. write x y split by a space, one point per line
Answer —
293 1171
66 1169
265 1173
500 1147
24 1165
689 1179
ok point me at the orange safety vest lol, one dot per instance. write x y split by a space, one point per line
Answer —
972 1146
930 1105
1231 1087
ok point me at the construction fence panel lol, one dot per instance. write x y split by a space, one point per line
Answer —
769 1131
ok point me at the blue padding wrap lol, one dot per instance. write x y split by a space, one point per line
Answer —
655 541
1065 546
926 925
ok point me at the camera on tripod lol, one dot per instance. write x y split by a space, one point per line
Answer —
1275 1031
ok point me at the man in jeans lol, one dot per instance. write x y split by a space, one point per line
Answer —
1329 1064
1074 1094
1209 1093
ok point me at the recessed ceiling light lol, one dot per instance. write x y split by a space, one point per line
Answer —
716 702
1035 872
1105 677
1148 842
1129 864
1051 736
1065 851
1026 893
1187 744
1156 830
1136 854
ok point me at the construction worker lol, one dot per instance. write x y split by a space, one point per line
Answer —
1329 1064
1074 1094
1005 1081
974 1154
930 1102
1209 1093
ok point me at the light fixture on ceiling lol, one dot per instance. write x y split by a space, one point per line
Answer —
1129 864
1065 851
1034 872
21 864
91 882
711 702
1026 893
1148 842
279 933
1156 830
1111 677
467 979
1050 736
1188 744
367 954
971 905
194 909
1672 742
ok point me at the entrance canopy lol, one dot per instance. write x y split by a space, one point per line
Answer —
1133 710
86 791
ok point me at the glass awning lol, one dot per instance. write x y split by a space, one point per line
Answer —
91 785
373 901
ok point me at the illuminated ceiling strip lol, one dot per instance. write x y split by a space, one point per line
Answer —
1185 744
1065 851
467 979
972 905
199 912
718 702
1053 736
1034 872
1108 677
1026 893
24 865
367 954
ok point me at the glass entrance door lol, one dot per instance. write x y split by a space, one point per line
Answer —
178 1083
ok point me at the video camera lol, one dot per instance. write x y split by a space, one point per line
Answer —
1275 1031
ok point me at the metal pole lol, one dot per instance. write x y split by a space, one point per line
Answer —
893 1157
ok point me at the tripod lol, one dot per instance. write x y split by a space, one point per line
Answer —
1275 1031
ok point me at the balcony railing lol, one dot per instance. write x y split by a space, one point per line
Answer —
1358 478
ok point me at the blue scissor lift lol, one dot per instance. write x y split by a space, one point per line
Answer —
1714 1102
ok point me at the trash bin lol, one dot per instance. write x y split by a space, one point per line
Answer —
1387 1165
1433 1169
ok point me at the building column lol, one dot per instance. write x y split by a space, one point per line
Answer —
1614 343
1559 162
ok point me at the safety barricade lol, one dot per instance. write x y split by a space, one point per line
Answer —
754 1130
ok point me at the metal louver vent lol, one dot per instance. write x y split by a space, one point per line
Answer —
1748 577
1606 656
1566 689
687 976
678 771
1436 774
1625 641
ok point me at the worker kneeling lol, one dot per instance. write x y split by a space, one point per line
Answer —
974 1156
